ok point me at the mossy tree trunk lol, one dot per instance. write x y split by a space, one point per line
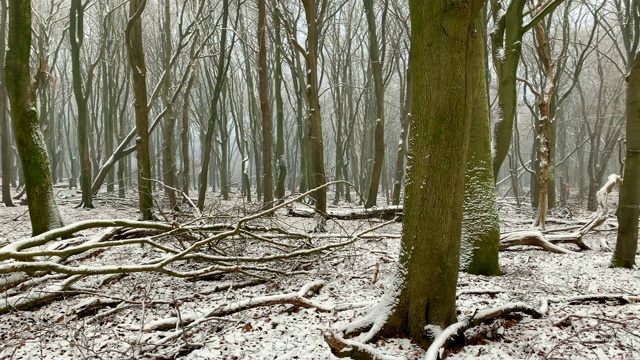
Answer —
425 291
135 51
32 150
480 222
629 205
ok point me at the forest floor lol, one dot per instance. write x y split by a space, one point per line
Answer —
354 278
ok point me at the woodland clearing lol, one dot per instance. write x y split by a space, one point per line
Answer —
216 315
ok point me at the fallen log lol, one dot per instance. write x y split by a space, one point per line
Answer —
548 241
386 213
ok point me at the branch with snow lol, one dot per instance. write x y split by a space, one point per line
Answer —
452 331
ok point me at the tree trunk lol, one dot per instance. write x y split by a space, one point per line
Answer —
480 222
221 68
316 156
5 138
405 123
544 103
280 160
76 37
135 51
425 295
168 155
629 205
378 138
43 210
265 109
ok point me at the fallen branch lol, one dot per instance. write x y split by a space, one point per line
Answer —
293 298
445 338
386 213
534 238
548 241
621 298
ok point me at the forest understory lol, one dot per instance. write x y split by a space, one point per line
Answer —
289 287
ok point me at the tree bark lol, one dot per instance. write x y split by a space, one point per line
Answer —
76 37
168 155
378 137
265 109
221 69
135 51
281 164
441 34
629 205
5 138
43 210
316 155
480 222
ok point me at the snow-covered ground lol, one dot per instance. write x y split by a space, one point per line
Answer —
353 277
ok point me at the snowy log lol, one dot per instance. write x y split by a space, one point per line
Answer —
534 238
385 213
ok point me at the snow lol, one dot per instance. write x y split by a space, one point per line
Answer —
349 298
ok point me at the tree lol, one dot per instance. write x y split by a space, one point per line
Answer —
222 66
480 222
135 52
168 127
281 164
423 295
267 122
376 68
629 205
43 210
315 21
5 138
76 38
506 48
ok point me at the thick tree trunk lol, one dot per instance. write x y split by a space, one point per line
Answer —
43 210
480 222
629 205
425 295
135 51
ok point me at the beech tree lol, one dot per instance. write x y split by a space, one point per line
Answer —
480 223
135 51
43 210
629 205
423 295
5 138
